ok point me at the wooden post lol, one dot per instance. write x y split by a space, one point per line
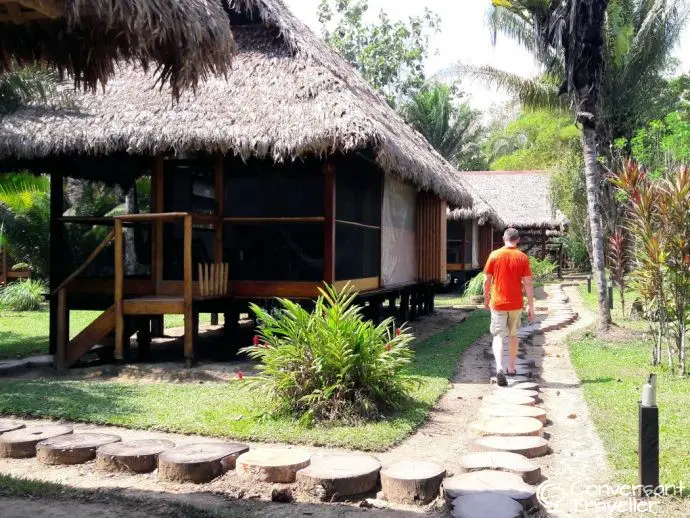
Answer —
188 314
157 242
62 329
119 285
543 243
56 254
329 224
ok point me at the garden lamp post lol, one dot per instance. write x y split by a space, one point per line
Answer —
648 450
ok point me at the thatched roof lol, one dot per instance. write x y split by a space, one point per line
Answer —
289 96
519 199
480 210
186 40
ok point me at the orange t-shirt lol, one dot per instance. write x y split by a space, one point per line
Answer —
508 266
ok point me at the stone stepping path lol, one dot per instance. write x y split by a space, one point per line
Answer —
530 446
485 505
133 456
525 385
279 465
73 448
412 482
21 444
501 461
502 426
512 399
489 481
9 426
505 410
515 391
198 462
337 476
512 380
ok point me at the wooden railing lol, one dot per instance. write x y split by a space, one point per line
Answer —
76 273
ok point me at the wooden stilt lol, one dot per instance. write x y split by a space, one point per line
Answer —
119 282
62 332
188 310
56 255
144 339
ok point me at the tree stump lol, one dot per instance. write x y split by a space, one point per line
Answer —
501 426
501 461
525 385
198 462
132 456
9 426
511 399
278 466
333 476
21 444
530 446
518 392
483 505
74 448
488 481
505 410
412 482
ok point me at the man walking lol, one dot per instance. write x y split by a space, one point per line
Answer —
507 271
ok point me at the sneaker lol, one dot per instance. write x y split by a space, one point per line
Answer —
501 380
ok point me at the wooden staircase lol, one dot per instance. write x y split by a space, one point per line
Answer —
90 336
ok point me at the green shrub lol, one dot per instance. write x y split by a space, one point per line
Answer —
542 269
475 286
24 295
331 363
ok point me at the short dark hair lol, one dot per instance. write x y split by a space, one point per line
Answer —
511 235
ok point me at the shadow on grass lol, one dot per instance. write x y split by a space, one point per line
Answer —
16 344
601 379
94 402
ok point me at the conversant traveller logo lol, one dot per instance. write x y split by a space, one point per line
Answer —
603 499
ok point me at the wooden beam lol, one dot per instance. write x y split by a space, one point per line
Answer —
56 253
158 207
49 8
188 294
329 223
118 295
87 262
62 329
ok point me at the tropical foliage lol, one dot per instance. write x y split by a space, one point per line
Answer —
331 363
451 127
28 84
23 295
388 54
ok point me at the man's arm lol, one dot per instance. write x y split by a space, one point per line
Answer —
527 281
488 279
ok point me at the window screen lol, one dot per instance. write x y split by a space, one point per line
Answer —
203 249
358 193
357 252
190 186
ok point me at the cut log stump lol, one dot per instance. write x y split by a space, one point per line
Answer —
21 444
278 466
518 392
74 448
198 462
335 476
529 446
501 461
525 385
505 410
9 426
509 398
483 505
502 426
132 456
491 482
513 380
412 482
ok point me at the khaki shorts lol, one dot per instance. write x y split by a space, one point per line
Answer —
505 323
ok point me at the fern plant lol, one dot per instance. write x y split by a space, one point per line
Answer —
331 363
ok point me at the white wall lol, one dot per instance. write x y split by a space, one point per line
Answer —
398 220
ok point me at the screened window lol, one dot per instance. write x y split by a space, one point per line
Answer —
190 186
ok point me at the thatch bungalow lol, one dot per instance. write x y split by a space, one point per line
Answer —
503 199
185 40
290 173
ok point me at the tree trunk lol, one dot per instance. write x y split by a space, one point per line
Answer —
592 182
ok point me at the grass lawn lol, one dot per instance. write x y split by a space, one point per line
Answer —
229 410
23 333
612 370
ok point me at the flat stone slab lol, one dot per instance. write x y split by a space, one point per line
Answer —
21 444
525 385
74 448
9 426
198 462
508 426
509 398
501 461
267 465
332 476
412 482
519 392
488 481
530 446
132 456
485 505
506 410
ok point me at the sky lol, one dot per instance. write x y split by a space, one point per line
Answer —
463 37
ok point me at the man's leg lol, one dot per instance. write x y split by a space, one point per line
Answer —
499 321
513 342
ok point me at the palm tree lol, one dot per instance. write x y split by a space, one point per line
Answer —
454 130
24 85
